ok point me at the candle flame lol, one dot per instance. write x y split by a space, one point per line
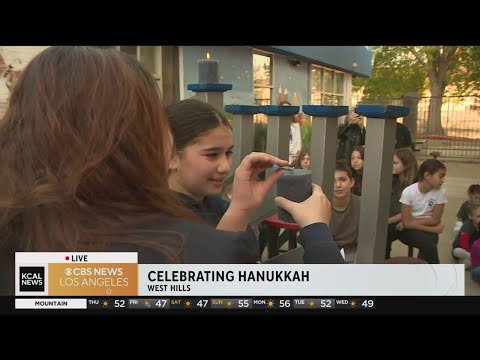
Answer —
208 55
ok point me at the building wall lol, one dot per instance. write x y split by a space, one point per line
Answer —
290 81
354 59
236 65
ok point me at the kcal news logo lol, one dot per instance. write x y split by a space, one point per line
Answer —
32 278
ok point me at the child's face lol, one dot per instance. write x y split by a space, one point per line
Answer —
474 198
356 160
475 217
343 184
305 163
398 167
437 179
201 168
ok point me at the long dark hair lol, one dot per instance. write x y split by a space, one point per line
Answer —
304 151
190 119
407 157
357 175
83 153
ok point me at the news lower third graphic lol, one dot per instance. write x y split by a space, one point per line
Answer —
118 274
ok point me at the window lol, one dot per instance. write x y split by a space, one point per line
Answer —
327 86
262 83
316 86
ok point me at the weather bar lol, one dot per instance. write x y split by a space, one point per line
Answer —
192 303
233 303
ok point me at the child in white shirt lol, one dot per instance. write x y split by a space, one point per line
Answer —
422 209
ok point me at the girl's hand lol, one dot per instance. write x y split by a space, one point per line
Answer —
316 209
248 192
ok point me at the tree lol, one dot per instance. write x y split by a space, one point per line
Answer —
392 76
400 69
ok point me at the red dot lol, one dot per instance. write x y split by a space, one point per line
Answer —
67 258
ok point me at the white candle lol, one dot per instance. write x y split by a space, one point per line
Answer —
208 70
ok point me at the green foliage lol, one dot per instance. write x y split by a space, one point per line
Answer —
466 76
306 131
398 70
393 74
260 137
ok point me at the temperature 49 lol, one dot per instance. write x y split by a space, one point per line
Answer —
367 304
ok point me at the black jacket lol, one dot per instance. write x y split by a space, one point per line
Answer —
211 210
403 138
204 244
349 136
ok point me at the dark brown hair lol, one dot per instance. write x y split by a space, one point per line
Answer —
409 161
83 153
189 119
430 166
474 189
304 151
341 165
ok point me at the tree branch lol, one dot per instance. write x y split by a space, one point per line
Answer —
417 56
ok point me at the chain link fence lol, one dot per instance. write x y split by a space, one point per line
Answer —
460 120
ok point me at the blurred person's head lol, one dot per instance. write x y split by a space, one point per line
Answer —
353 118
474 213
432 172
300 118
474 194
304 158
297 118
344 180
357 158
203 149
85 147
405 166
